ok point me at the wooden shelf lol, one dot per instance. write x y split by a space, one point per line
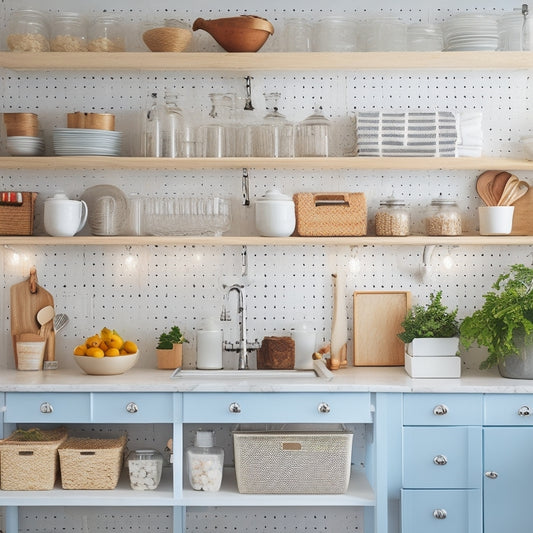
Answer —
266 61
356 163
200 240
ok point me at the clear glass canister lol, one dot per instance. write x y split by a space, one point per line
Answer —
68 34
106 34
27 31
443 218
145 467
205 462
312 136
392 218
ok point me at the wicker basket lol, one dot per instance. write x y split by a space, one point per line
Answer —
30 465
92 464
17 219
293 462
167 39
330 214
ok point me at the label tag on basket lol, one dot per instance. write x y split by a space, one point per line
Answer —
295 446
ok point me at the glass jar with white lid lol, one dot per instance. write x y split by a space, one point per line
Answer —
392 218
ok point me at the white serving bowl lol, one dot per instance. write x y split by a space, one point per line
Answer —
106 366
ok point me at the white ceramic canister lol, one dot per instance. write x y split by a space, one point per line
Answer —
304 337
209 340
64 217
275 215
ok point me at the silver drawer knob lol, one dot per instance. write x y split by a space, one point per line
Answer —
132 407
440 410
440 514
491 475
440 460
234 407
323 408
524 411
46 408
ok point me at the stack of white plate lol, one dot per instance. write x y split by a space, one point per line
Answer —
470 32
74 141
24 146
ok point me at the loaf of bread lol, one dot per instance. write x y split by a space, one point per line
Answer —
276 353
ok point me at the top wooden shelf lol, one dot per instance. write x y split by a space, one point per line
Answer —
265 61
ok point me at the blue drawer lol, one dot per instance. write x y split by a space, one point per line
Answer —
48 407
245 407
133 407
508 410
442 409
442 457
441 511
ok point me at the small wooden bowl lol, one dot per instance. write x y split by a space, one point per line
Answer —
167 39
247 33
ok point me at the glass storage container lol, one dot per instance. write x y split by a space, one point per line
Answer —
312 136
205 462
443 218
27 31
392 218
106 34
68 34
145 467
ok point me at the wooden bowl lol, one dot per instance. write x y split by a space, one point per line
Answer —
247 33
167 39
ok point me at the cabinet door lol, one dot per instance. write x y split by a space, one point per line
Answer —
442 409
508 479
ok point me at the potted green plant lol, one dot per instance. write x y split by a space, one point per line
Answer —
504 325
431 329
169 349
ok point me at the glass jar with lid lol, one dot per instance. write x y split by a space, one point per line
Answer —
443 217
145 467
205 462
106 34
312 136
68 34
27 31
392 218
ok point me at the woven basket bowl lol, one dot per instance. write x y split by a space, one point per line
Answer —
167 39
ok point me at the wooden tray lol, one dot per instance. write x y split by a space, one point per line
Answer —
523 215
377 316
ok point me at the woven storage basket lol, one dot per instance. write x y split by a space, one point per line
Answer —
17 219
167 39
30 465
293 462
330 214
91 463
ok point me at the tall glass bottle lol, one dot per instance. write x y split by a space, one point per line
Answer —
153 128
173 127
219 132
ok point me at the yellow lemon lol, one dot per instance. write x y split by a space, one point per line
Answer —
112 352
80 350
93 341
130 347
103 346
115 341
95 352
123 352
106 333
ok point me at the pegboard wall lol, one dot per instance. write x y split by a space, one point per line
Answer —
141 291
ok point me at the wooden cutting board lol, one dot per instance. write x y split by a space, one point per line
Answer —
523 215
377 316
27 298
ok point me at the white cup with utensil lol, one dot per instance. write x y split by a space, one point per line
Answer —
64 217
496 219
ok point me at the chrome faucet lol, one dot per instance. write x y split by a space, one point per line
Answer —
242 346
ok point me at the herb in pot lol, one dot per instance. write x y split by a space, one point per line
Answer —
167 340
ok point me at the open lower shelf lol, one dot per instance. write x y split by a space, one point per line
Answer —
359 493
200 240
355 163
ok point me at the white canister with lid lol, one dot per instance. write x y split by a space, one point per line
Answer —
209 339
304 337
275 215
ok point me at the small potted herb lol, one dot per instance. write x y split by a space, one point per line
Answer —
170 349
431 330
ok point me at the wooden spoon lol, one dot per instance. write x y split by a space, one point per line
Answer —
497 185
483 186
514 190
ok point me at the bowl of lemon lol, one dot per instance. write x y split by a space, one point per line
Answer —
106 354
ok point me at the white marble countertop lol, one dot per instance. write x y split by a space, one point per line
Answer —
353 379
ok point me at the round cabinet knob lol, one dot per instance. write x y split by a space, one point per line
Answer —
323 408
440 514
234 407
524 411
440 410
440 460
491 475
132 407
46 408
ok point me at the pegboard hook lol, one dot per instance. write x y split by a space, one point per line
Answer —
245 185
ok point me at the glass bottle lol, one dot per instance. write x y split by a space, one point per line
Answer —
173 127
205 462
274 137
219 133
153 128
443 217
392 218
68 33
312 136
145 467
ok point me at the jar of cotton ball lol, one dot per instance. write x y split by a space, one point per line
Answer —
205 462
145 468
